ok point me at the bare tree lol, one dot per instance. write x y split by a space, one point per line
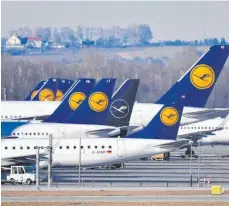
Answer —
20 76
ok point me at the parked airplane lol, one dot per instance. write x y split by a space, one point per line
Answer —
93 114
159 136
210 132
196 84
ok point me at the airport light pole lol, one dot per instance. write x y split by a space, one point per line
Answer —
37 168
79 179
199 162
50 161
190 143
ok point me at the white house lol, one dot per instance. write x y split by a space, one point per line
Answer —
14 40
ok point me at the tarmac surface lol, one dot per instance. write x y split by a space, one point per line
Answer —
212 170
173 173
138 175
118 199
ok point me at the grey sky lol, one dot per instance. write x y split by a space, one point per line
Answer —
168 20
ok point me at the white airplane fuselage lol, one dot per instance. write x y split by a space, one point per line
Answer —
43 130
141 115
218 137
94 151
57 130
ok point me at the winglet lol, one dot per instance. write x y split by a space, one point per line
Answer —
224 122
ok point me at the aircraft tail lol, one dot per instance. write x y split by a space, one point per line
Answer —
33 93
122 103
77 94
62 87
165 124
48 91
96 106
196 85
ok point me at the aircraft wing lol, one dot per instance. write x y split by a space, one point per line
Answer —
195 136
205 115
174 145
113 132
208 114
28 159
42 117
100 132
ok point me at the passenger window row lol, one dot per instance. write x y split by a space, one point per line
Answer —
60 147
202 128
14 134
28 147
10 117
88 147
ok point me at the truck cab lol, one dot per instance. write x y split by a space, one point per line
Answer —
21 174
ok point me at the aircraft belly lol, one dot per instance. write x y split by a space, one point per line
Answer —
68 159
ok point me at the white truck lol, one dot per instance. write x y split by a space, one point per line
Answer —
21 174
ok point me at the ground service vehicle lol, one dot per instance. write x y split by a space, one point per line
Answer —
21 174
163 156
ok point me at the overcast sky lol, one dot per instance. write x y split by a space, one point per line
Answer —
168 20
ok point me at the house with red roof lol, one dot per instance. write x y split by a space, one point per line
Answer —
34 42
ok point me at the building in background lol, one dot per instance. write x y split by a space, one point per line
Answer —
34 42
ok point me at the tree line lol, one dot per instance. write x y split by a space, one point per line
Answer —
133 35
20 76
115 36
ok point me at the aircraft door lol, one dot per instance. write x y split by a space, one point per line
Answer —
120 147
21 173
62 132
14 173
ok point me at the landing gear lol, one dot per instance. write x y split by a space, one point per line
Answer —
188 153
144 158
115 166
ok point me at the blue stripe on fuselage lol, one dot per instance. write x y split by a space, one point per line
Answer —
8 127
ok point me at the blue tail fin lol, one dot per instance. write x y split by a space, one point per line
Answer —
33 93
196 85
165 124
122 103
78 92
62 87
48 91
96 106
